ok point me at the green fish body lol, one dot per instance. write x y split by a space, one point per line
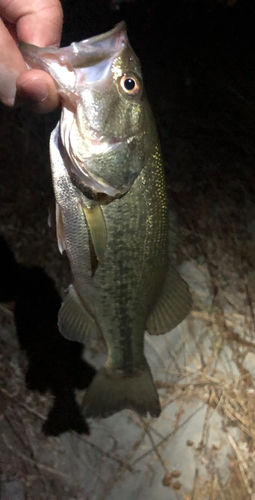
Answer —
112 217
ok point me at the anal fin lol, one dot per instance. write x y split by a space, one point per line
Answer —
172 306
74 322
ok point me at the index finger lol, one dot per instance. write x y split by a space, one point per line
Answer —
37 21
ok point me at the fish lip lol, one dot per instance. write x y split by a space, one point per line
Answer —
64 63
108 44
99 138
119 28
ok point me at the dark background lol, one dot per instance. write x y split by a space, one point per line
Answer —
198 61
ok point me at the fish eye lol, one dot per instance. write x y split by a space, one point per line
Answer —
130 84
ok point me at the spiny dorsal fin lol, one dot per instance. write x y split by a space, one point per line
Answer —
172 306
74 322
96 222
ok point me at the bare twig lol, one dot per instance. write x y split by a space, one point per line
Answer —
196 476
155 449
23 405
122 469
103 452
167 436
241 464
250 302
214 487
31 461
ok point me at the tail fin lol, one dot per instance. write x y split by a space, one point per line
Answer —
108 395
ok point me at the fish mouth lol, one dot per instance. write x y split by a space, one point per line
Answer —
94 144
82 62
86 143
95 49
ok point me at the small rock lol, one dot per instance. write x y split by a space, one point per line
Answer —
176 473
177 485
189 443
167 479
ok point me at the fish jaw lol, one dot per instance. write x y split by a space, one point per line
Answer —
80 63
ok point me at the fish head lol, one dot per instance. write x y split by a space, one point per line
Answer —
106 125
111 130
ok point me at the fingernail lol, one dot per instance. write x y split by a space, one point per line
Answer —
34 90
7 85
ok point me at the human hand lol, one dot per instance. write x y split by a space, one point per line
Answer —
37 22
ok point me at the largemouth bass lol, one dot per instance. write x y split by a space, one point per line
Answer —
112 215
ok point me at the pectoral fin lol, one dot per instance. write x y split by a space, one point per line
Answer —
172 306
74 322
96 222
60 230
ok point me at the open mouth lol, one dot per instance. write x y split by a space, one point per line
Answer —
92 143
89 59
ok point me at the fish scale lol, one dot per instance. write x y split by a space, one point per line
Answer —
112 217
136 241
